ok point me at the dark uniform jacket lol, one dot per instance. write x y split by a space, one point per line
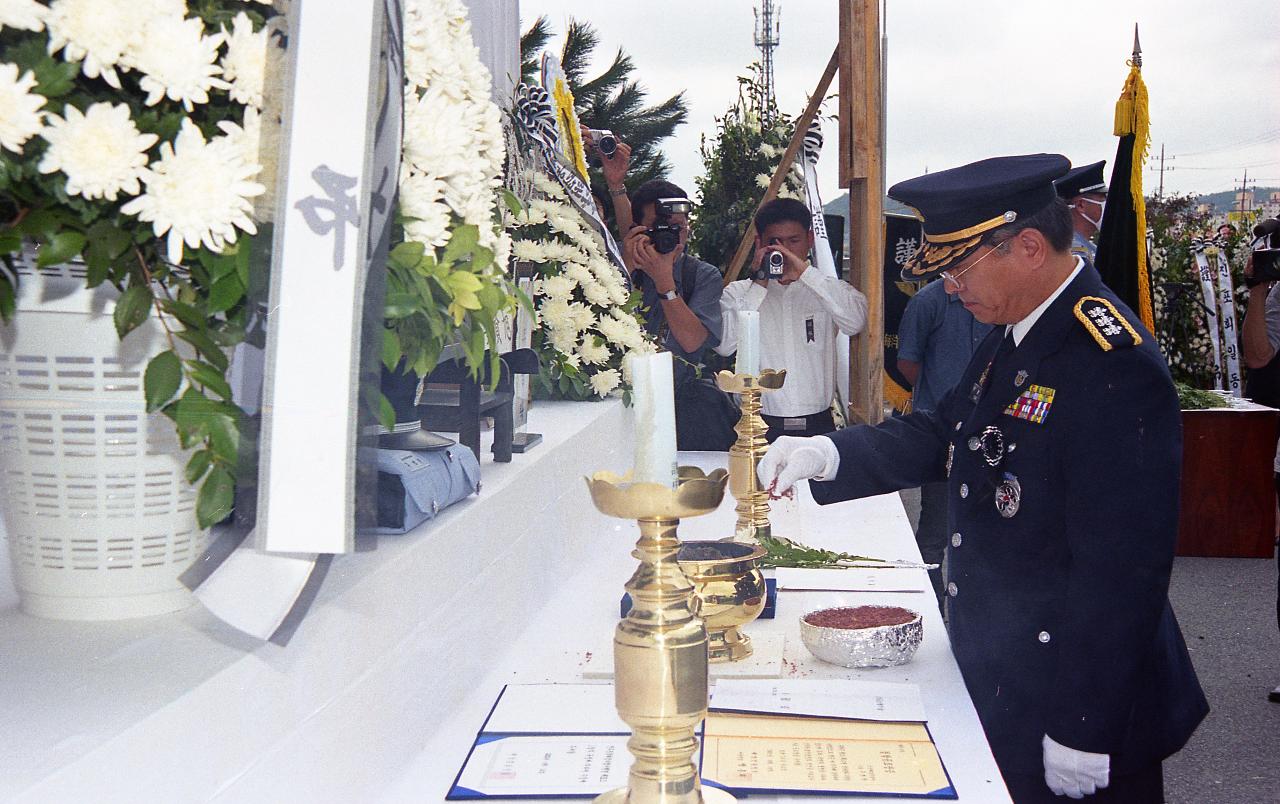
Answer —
1058 606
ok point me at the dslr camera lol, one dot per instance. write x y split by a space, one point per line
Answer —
664 234
1266 252
773 266
605 141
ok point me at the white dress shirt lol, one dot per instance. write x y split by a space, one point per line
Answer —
798 329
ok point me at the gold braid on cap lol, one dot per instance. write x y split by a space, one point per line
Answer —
940 250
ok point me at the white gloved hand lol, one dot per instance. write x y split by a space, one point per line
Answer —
791 459
1073 773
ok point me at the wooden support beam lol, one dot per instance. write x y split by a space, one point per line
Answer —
861 160
788 157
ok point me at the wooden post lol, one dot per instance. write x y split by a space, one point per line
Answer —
861 161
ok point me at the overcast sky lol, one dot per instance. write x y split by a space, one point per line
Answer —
980 78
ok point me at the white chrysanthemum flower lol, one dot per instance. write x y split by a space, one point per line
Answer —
563 339
583 316
603 382
769 151
613 330
558 287
20 115
198 193
502 250
579 273
258 141
435 142
762 180
548 186
421 200
245 63
529 251
178 61
597 294
593 353
101 150
25 14
101 33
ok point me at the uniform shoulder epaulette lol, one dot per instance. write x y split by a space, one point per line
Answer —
1105 323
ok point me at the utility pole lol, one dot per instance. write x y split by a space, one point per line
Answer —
1244 188
768 35
1160 192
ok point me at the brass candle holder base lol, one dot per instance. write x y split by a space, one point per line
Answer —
660 648
730 590
745 454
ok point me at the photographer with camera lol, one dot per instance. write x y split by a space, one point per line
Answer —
802 312
1260 339
681 307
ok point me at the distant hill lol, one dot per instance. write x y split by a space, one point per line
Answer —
840 206
1225 200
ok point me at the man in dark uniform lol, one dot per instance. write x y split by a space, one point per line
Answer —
1061 447
1085 192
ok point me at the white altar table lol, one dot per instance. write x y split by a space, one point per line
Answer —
581 613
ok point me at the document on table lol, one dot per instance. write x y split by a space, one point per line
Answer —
857 700
854 579
547 740
746 754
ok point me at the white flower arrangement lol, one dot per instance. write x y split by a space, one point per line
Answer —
100 150
588 321
20 115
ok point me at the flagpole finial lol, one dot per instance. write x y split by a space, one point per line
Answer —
1137 48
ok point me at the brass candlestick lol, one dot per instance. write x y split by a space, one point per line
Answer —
660 648
745 455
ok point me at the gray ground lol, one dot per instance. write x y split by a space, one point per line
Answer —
1226 607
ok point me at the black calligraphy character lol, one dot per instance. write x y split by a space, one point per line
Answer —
332 214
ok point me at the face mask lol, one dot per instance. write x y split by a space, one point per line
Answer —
1102 205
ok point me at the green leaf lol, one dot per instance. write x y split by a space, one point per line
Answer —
132 309
391 350
107 239
10 242
225 293
185 313
210 377
463 241
161 379
513 203
224 438
407 254
199 464
8 303
213 503
60 248
386 413
242 265
205 346
40 223
401 305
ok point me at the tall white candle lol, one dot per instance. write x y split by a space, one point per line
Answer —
653 395
748 342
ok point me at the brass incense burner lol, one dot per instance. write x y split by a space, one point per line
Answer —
660 647
730 590
745 455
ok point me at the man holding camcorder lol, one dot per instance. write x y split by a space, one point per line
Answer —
801 314
1260 340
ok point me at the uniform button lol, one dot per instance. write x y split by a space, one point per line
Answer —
1044 636
1012 446
955 540
964 490
959 425
974 443
952 589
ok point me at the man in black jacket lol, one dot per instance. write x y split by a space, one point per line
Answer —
1061 447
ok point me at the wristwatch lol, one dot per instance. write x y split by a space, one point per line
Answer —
617 192
670 295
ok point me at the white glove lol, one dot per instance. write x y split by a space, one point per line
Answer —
1073 773
792 459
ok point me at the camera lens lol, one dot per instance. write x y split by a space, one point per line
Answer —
776 262
608 145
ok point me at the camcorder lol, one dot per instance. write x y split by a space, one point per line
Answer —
664 234
604 140
1266 252
773 266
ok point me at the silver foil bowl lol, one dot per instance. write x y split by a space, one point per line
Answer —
876 646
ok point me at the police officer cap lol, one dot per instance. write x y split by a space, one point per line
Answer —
1081 180
958 206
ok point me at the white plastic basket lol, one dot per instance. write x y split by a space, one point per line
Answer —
99 517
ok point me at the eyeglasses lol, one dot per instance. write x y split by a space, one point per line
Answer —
954 279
